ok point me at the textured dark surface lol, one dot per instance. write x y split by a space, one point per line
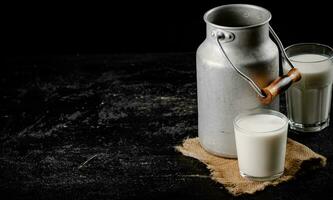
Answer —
129 111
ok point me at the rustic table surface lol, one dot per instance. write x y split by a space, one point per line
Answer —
105 127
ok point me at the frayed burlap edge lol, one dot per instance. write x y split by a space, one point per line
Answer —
225 171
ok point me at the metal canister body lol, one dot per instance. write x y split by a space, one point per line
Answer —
222 93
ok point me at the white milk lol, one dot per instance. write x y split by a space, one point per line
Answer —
261 144
309 100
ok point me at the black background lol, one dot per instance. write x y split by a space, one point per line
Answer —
130 109
142 26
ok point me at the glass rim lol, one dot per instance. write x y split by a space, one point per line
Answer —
261 111
313 44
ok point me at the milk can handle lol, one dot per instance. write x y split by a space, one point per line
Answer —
277 86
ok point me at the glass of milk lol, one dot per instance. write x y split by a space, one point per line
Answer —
261 139
309 100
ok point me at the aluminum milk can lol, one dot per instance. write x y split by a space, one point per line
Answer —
236 66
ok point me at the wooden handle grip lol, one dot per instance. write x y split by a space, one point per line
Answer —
279 85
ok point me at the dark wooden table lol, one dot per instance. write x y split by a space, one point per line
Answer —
126 112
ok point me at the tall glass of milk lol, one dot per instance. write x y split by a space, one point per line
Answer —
309 100
261 138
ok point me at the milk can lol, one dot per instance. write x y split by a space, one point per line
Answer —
237 69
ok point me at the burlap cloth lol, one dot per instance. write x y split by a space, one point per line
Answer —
225 171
